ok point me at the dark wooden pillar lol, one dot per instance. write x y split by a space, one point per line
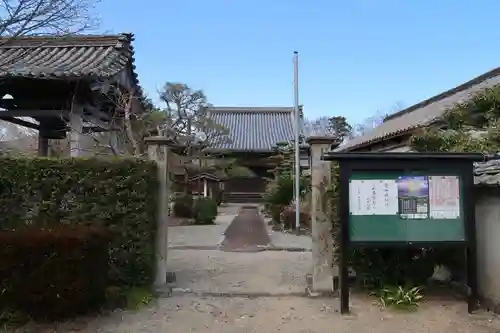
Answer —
43 145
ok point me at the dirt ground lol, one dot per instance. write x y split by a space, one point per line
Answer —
186 313
278 278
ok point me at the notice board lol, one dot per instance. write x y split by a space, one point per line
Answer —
390 206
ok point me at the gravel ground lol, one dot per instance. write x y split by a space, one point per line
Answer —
184 314
284 240
262 272
201 274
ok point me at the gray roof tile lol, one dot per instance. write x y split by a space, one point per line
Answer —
253 128
423 113
487 173
66 57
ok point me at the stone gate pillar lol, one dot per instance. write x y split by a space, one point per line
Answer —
323 272
158 151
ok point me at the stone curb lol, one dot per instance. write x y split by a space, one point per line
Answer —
258 249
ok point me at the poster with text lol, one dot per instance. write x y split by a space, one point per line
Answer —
444 197
373 197
413 197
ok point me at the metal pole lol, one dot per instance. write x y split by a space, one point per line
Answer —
297 146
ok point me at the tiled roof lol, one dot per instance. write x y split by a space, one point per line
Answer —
254 128
66 57
487 173
423 113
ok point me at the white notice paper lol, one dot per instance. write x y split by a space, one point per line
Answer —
373 197
444 197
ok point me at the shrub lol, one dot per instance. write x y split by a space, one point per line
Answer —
183 206
205 210
119 195
288 216
280 193
54 273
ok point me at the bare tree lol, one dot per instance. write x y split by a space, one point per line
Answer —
336 126
134 118
183 120
45 17
370 123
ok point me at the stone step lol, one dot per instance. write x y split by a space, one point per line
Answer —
243 197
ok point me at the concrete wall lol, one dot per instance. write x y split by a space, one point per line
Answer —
488 245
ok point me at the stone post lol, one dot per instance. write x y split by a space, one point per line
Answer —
76 130
323 271
158 152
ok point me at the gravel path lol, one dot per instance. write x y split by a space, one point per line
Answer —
184 314
215 271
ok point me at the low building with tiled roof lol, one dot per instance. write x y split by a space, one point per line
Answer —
252 136
252 129
394 132
63 81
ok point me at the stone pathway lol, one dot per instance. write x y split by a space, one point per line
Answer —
208 237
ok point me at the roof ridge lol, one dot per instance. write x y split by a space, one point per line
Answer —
450 92
424 113
66 40
259 109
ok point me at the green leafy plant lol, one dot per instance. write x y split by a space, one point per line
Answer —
205 210
138 297
128 298
400 297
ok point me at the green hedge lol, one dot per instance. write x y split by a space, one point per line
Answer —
119 195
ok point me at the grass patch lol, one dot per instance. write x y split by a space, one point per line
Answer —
401 298
129 298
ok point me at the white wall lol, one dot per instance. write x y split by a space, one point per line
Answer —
488 246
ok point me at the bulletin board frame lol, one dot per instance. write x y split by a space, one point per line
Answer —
374 165
407 215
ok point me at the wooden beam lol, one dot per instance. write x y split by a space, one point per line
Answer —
92 121
33 113
95 129
21 122
34 103
96 112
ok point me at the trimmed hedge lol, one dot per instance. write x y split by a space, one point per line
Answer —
119 195
54 273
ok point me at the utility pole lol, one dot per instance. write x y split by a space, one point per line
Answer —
297 137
